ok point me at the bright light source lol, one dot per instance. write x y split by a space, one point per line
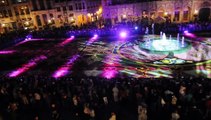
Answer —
95 36
136 28
124 16
49 21
27 23
196 12
186 32
3 25
123 34
166 13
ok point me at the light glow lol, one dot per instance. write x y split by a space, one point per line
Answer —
67 41
64 70
123 34
7 52
32 63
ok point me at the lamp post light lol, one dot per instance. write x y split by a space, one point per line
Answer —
166 15
195 15
99 16
26 23
3 25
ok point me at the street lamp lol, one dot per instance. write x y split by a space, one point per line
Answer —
24 8
195 14
124 16
3 25
166 14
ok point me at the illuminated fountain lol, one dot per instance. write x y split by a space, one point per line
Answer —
165 45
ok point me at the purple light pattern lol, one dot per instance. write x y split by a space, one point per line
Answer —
67 41
64 70
110 69
7 52
109 72
191 35
26 67
91 40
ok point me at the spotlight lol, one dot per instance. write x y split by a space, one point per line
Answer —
123 34
136 28
186 32
72 36
95 35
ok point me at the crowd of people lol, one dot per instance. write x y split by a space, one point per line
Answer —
131 27
71 98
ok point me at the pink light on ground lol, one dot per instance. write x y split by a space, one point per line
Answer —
61 72
64 70
191 35
109 72
26 67
110 69
67 41
7 52
91 40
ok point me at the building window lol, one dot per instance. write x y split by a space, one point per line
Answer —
16 11
76 6
49 4
71 15
10 13
39 23
42 6
27 10
22 10
59 16
83 6
70 8
64 8
34 4
1 15
45 19
58 9
176 16
185 15
51 16
79 6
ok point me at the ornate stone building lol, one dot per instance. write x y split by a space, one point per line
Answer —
174 10
26 14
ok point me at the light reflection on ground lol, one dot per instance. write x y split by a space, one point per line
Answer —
109 58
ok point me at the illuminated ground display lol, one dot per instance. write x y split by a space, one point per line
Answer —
151 56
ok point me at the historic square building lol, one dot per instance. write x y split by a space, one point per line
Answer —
26 14
15 14
174 10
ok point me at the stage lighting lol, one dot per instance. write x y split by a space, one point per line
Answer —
95 35
136 28
123 34
186 32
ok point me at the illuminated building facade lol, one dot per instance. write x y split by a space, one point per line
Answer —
15 14
173 10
